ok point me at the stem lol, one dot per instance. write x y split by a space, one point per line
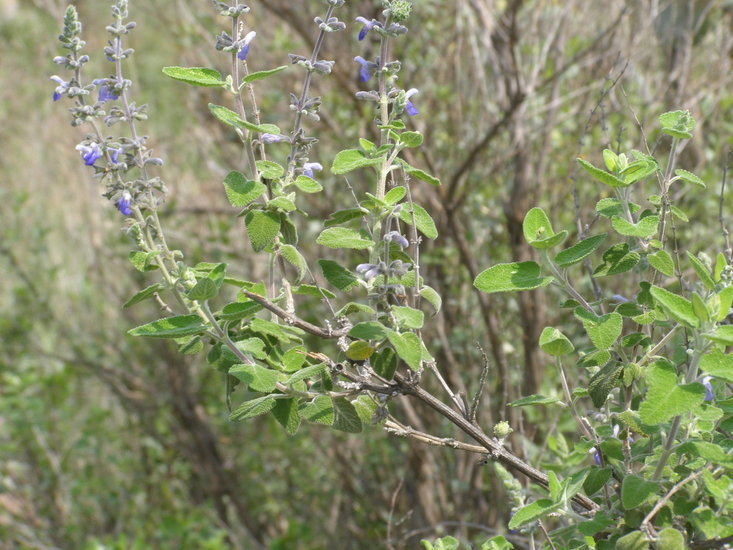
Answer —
249 150
562 278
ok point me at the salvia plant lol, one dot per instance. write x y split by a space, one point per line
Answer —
651 464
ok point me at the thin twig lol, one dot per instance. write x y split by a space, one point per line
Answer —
728 250
481 384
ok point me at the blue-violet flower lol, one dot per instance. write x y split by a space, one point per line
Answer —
273 138
105 93
244 50
61 88
708 388
114 154
368 25
409 107
90 153
367 68
124 204
370 271
396 237
309 167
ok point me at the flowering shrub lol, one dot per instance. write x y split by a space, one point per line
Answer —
651 463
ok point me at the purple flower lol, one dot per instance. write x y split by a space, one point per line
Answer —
596 456
409 107
367 68
272 138
114 154
123 205
369 270
244 49
309 167
61 88
708 388
368 25
90 153
396 237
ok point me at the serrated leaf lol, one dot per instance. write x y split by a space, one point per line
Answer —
408 317
532 512
384 363
338 276
408 346
250 409
308 372
252 346
644 229
142 261
236 311
636 490
352 159
718 364
270 170
578 252
241 192
365 408
662 262
319 411
203 290
259 75
308 185
432 296
702 272
296 259
423 221
610 207
196 76
411 139
679 124
617 259
256 377
346 419
286 413
511 277
144 294
262 228
722 335
342 237
603 331
665 398
677 307
689 177
601 175
171 327
395 195
603 382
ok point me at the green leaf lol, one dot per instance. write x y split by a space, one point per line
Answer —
203 290
678 124
229 117
432 296
252 346
308 372
353 307
338 276
346 419
408 346
285 412
342 237
359 350
718 364
408 317
308 185
538 231
143 261
384 363
702 272
171 327
665 398
241 192
395 195
602 331
638 170
534 511
578 252
256 377
270 170
423 221
644 229
662 262
255 407
418 174
601 175
603 382
535 399
611 160
715 454
236 311
319 411
196 76
633 541
497 543
671 539
720 264
365 408
352 159
610 207
144 294
259 75
722 335
689 177
595 481
636 490
677 307
411 139
343 216
296 259
617 259
262 228
555 343
511 277
370 330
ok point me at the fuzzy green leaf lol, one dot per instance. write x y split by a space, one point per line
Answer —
255 407
338 276
144 294
679 308
644 229
511 277
256 377
408 346
259 75
665 398
636 490
352 159
534 511
662 262
578 252
196 76
555 343
601 175
241 192
308 185
423 221
262 228
171 327
342 237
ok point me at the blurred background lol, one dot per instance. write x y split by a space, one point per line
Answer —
108 442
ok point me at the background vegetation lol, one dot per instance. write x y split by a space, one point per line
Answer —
108 442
